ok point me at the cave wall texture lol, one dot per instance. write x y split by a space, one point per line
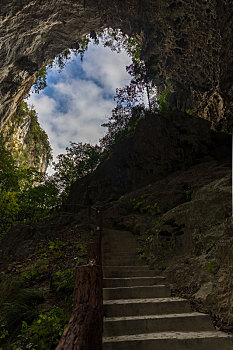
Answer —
188 44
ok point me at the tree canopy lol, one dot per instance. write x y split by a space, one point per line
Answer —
80 159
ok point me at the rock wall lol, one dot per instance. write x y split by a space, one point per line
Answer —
186 44
160 146
193 244
27 142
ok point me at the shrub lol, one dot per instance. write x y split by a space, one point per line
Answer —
82 249
45 332
142 206
65 281
39 268
164 107
18 302
9 207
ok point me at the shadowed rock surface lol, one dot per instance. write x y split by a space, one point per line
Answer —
161 145
186 43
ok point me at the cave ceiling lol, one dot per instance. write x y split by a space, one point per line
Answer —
188 46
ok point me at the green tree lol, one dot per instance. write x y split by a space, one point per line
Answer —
120 125
80 159
164 106
23 194
9 174
41 80
36 202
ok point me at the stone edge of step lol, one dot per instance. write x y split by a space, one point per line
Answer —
146 300
142 267
133 278
141 287
168 335
154 317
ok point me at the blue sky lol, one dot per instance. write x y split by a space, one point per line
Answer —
80 98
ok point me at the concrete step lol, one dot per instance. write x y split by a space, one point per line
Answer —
133 281
134 271
170 341
121 252
121 243
117 242
139 312
117 250
115 326
133 251
135 307
117 246
120 255
126 267
123 261
158 291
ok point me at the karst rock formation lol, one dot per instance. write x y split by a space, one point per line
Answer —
187 45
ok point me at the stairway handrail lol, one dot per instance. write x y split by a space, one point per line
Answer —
85 328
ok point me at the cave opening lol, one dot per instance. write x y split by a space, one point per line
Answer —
77 92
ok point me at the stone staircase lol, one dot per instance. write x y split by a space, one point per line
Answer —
139 310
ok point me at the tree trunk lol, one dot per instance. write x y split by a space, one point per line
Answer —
85 328
148 96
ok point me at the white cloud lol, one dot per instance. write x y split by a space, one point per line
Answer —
85 101
107 66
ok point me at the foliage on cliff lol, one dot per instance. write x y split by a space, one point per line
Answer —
20 199
23 201
27 141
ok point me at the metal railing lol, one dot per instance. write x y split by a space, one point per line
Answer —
85 328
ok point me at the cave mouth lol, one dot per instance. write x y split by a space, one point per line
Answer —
76 92
186 44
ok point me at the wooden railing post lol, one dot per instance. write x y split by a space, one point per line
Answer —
85 328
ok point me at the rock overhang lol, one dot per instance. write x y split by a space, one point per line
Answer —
186 44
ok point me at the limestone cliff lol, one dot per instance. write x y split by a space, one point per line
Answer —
26 140
187 45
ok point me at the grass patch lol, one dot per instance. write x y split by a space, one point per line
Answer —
18 302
